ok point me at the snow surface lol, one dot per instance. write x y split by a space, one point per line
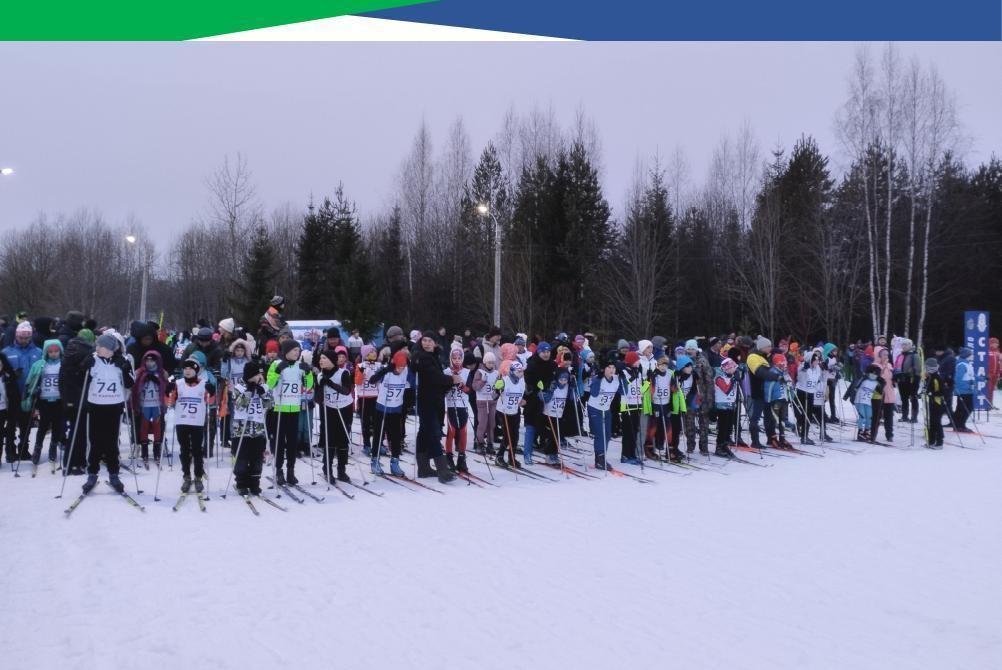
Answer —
886 559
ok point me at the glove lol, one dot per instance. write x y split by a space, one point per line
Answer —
539 385
498 385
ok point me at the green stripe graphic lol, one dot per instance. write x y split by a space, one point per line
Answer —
160 20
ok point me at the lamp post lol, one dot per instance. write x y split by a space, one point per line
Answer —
484 210
6 172
132 239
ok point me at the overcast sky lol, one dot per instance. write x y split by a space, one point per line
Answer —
135 128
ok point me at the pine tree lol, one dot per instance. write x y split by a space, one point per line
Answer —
258 272
313 258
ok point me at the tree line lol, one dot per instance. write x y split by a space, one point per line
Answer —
901 240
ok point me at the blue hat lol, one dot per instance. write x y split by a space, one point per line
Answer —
543 346
682 361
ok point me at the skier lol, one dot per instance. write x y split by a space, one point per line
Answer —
336 402
539 374
810 379
936 403
42 393
456 416
110 375
907 367
432 385
9 395
21 355
392 381
703 373
510 391
231 371
861 393
251 398
603 391
631 384
287 378
271 322
190 397
483 383
366 392
663 389
555 400
964 385
149 405
884 401
759 372
725 392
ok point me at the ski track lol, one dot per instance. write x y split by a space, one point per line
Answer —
882 560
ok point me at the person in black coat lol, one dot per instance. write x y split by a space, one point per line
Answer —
432 385
71 386
540 371
69 327
8 408
146 340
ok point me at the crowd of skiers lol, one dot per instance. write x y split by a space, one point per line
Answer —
261 391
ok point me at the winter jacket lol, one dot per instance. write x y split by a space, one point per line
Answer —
889 392
537 371
213 355
9 380
71 375
69 327
432 383
137 351
704 381
963 378
143 376
759 372
21 358
293 403
947 367
35 375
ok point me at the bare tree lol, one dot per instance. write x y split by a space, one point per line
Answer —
914 113
891 130
416 184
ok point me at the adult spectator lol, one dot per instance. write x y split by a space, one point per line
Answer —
21 355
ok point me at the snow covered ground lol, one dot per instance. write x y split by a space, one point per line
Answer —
886 559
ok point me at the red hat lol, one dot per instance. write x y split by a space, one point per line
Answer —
271 347
779 359
632 357
400 359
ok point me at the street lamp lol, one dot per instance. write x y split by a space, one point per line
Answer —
132 239
6 172
484 210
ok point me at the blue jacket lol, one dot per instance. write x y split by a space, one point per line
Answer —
21 359
963 377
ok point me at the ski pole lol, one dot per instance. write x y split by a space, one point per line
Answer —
73 440
236 458
486 459
134 447
325 426
605 446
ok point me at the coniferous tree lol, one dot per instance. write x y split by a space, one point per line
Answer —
258 272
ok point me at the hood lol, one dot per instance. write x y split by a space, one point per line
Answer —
151 353
43 326
236 343
52 343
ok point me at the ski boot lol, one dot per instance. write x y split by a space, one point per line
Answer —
199 486
450 462
629 461
280 478
489 449
774 443
553 459
499 460
395 467
116 483
186 485
89 485
650 453
676 456
600 463
424 468
828 438
461 463
723 452
808 441
146 463
367 451
291 478
342 476
243 491
444 474
375 467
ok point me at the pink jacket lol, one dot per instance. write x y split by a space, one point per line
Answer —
887 372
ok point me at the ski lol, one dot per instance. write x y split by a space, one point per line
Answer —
129 499
251 505
340 490
479 478
74 504
762 452
201 501
285 489
271 502
522 470
362 488
470 480
309 494
620 473
795 450
738 459
394 480
414 481
570 471
177 505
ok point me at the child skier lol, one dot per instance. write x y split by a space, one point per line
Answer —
510 391
631 407
684 409
190 397
964 387
483 383
392 381
366 392
861 393
109 376
42 391
251 399
725 395
935 403
810 379
149 405
777 398
336 400
456 415
287 378
555 401
603 391
663 389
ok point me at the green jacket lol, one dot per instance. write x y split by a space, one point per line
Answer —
35 375
292 403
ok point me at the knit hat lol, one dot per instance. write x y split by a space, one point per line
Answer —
271 347
690 345
658 341
415 335
490 358
251 369
368 350
394 331
543 346
204 334
228 325
778 359
931 365
965 352
86 335
516 366
562 375
400 359
622 344
333 331
288 346
191 363
108 341
643 345
632 357
469 359
520 340
728 365
828 348
682 361
745 342
24 327
762 343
